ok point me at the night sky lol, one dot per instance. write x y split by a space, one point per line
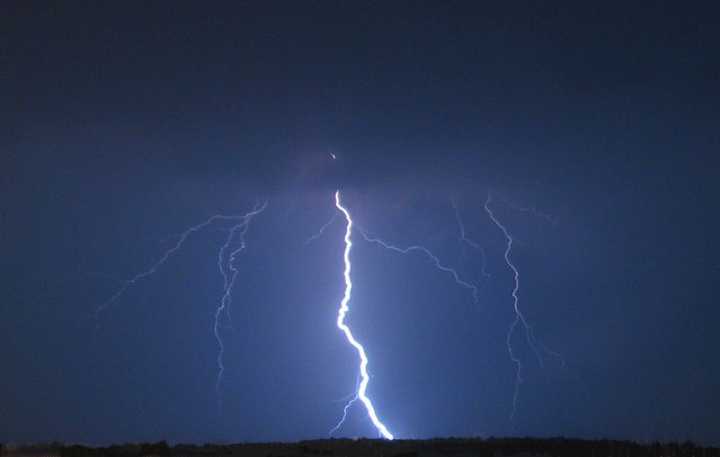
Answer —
594 126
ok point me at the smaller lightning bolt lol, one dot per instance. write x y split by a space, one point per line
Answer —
344 415
519 316
229 273
342 312
427 253
182 237
349 400
225 265
468 241
322 229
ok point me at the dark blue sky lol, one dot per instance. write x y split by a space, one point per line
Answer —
122 125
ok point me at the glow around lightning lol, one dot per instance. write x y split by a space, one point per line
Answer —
342 312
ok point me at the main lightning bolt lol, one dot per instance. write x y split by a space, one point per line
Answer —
407 250
342 312
519 316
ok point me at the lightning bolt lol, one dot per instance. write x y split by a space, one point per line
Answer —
342 312
415 248
229 274
519 316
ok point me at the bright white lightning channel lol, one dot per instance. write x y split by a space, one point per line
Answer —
342 312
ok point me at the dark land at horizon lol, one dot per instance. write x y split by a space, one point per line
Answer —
457 447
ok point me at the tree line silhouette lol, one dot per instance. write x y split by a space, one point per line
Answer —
455 447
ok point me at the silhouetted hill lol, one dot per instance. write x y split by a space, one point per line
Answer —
455 447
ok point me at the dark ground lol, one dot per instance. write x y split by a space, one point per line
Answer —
456 447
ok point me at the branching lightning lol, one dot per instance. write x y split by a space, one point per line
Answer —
342 312
226 258
519 316
433 258
320 232
469 242
229 273
344 415
182 237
